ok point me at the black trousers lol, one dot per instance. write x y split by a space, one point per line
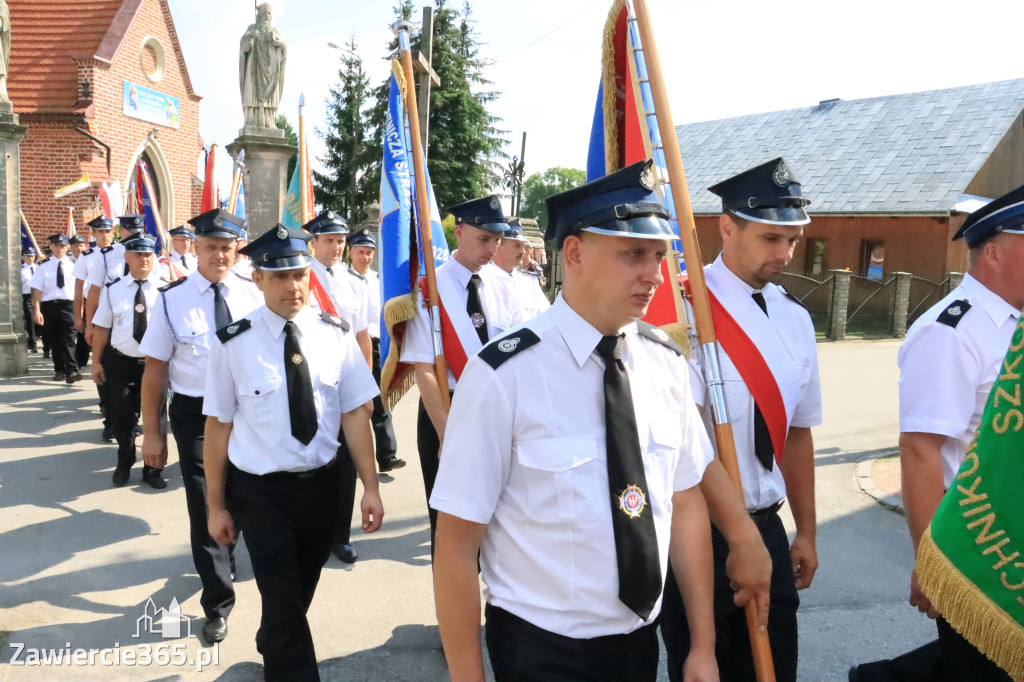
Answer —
383 431
82 350
289 537
30 322
102 390
347 476
522 652
428 445
213 562
123 385
59 325
732 642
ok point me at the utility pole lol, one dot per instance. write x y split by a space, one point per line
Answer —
425 75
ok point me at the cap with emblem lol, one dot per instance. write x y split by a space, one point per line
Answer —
28 251
279 248
485 214
620 204
327 222
58 239
101 222
133 222
362 238
1005 214
182 231
218 224
76 239
140 244
515 231
768 193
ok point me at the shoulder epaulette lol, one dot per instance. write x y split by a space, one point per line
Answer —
955 312
500 350
106 249
353 271
45 260
335 320
229 332
87 251
242 277
175 283
791 296
111 282
658 335
165 280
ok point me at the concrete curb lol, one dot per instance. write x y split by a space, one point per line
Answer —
867 484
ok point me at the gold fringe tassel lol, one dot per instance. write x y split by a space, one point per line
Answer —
396 69
611 125
968 610
396 311
680 333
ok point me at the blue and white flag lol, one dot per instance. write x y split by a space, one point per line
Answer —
399 246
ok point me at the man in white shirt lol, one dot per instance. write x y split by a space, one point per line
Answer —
283 382
507 263
177 348
53 290
361 248
28 268
338 289
477 306
182 258
948 363
121 319
769 366
571 489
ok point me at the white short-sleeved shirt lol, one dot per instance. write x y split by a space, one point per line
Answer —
947 372
81 271
347 290
527 457
45 279
181 326
246 386
525 289
116 310
496 299
185 262
373 311
786 341
27 270
107 267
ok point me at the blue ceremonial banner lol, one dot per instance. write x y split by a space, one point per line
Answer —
401 259
291 214
27 240
240 201
148 207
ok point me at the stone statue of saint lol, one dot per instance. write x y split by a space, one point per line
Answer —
261 70
5 49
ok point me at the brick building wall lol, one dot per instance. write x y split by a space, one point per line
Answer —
53 154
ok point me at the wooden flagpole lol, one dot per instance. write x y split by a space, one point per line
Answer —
761 647
402 30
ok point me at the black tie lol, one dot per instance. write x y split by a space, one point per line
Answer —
763 447
221 314
475 310
330 272
636 543
141 319
184 261
300 388
60 275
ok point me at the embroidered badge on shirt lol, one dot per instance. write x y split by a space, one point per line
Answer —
508 345
633 501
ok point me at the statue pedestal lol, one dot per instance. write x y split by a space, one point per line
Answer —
265 177
13 353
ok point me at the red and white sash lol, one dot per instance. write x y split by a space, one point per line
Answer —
458 335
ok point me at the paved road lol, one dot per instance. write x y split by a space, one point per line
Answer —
79 560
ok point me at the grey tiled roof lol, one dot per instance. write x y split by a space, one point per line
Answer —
906 153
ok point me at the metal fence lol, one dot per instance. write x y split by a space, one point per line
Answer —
816 295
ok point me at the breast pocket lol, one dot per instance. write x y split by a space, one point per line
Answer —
326 389
122 310
563 478
260 401
499 324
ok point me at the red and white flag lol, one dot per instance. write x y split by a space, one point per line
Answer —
111 199
69 229
210 194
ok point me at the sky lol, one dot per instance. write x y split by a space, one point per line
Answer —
720 58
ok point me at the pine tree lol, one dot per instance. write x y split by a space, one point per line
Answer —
291 136
465 142
345 186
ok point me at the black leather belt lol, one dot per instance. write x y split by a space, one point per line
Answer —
763 514
290 475
141 360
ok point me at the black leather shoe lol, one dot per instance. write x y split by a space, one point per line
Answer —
155 481
390 463
73 377
120 477
215 629
346 553
58 376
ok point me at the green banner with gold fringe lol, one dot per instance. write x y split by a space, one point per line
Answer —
970 561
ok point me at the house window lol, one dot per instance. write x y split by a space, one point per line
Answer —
872 259
815 256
